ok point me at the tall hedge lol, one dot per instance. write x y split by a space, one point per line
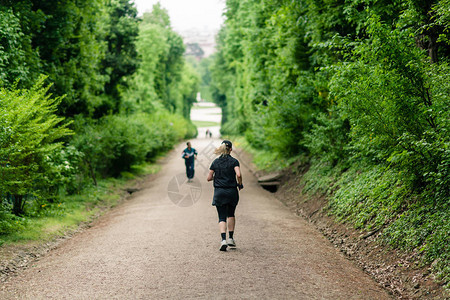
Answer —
361 90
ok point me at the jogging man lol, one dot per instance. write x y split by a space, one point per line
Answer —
189 154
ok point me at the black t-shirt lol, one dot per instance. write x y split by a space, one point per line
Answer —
224 174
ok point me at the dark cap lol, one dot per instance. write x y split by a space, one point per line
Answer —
228 144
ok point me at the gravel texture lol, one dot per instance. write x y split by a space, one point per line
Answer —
151 248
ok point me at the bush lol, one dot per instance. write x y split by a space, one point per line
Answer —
328 138
62 173
115 143
9 222
29 130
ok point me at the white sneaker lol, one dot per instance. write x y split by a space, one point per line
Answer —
223 245
231 242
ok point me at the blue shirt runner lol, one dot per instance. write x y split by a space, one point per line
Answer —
189 161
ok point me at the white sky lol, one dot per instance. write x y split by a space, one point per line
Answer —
189 14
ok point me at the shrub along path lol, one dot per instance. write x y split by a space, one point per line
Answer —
151 248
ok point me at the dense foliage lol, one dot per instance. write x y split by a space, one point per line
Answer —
360 89
164 80
88 90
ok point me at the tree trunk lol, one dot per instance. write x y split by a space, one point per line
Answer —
18 205
91 170
433 48
428 41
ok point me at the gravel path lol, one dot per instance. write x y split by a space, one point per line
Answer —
151 248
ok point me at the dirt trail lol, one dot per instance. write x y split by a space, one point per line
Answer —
151 248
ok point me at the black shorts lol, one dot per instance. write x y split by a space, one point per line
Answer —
223 196
225 211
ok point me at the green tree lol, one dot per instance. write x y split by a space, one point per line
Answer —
65 42
203 68
121 55
185 91
30 131
142 93
160 81
158 16
71 47
396 111
19 61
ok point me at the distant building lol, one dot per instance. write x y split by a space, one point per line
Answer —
194 49
199 43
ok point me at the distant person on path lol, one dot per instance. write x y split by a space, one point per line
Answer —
189 154
207 133
226 173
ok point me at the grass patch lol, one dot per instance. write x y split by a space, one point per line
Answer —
205 123
376 198
203 107
45 223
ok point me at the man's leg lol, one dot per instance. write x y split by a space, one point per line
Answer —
187 170
190 170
